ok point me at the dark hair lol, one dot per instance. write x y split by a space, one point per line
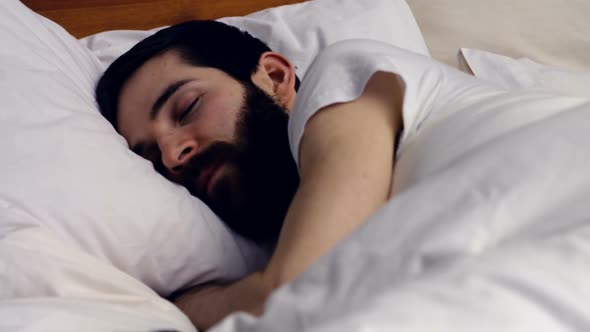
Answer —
200 43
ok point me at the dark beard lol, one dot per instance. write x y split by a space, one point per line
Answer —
254 194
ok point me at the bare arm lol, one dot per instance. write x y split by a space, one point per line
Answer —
347 156
346 160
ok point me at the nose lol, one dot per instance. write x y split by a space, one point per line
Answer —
177 152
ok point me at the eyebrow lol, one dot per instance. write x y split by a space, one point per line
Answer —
170 90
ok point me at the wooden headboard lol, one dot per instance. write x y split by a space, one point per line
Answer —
85 17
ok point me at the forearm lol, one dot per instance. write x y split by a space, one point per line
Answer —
325 210
208 305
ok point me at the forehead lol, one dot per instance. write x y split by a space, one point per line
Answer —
155 76
141 88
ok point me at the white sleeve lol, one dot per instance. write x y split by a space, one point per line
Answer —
340 72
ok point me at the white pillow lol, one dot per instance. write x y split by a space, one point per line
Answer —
524 73
301 30
65 168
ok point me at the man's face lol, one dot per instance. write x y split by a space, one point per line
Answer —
225 141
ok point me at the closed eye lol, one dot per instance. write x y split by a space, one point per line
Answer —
182 117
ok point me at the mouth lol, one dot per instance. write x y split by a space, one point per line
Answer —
207 178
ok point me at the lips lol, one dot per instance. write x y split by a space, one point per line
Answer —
204 184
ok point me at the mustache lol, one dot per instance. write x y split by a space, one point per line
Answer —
215 153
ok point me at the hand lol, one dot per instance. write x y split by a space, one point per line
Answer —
203 305
207 305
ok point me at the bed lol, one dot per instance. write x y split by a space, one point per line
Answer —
487 255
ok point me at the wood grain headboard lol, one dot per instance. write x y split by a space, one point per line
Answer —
85 17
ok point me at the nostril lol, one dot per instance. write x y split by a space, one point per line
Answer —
185 152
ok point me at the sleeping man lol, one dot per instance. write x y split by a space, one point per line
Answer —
295 168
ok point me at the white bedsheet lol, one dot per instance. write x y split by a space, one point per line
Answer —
493 235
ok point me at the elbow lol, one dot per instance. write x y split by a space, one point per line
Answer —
271 281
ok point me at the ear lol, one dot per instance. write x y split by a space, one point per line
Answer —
276 76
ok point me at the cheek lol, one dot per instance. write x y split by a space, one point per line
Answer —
221 118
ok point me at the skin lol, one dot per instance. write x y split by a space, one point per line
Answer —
346 164
221 100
